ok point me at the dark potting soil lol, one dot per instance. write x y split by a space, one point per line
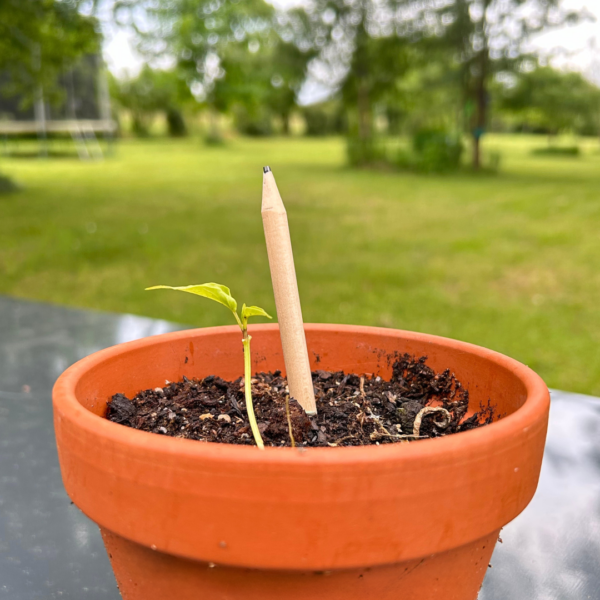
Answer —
352 410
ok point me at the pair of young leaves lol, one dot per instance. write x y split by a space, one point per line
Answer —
221 294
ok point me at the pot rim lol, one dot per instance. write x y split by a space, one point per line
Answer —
537 399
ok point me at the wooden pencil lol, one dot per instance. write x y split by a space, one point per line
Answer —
287 298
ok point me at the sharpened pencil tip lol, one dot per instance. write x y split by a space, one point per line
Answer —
266 169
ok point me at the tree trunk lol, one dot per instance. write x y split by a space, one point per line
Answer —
364 111
481 95
363 99
480 111
213 118
362 67
476 153
285 123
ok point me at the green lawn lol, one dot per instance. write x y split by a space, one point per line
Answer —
511 261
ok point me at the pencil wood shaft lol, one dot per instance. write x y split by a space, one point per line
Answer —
287 298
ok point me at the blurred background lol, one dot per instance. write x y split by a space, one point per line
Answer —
439 160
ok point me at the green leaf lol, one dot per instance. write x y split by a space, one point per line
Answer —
214 291
253 311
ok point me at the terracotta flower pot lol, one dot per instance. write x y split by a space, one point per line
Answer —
184 520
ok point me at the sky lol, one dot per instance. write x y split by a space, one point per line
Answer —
576 47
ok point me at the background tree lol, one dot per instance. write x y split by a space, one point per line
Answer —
375 75
485 38
361 56
39 39
479 38
552 100
247 58
232 54
154 91
288 64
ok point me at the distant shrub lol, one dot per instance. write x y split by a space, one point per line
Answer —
439 150
176 123
317 122
434 151
139 127
557 151
258 124
364 152
321 120
494 158
214 138
7 185
258 128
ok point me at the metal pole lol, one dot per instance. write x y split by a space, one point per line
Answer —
104 105
39 106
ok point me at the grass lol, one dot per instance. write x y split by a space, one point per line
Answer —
509 261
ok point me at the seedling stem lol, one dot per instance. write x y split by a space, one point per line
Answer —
221 294
248 389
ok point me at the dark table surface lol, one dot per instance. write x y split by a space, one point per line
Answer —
49 549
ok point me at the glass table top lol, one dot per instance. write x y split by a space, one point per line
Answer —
49 549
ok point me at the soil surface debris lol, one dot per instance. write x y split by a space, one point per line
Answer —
353 410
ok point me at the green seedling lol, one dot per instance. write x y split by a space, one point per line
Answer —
220 293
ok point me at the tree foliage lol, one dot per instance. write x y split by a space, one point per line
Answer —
552 100
477 40
239 56
153 91
432 65
486 39
39 39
